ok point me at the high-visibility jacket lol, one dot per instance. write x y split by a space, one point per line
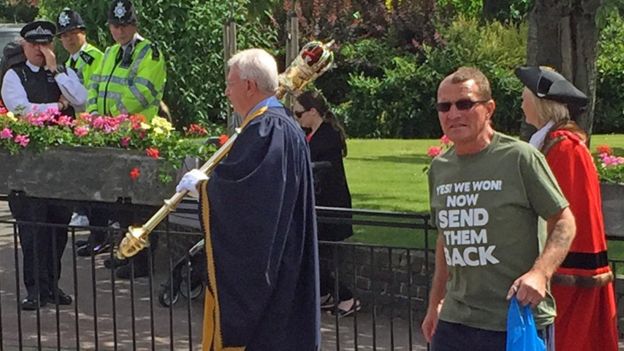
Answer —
130 85
89 59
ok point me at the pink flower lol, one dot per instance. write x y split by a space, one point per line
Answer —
434 151
445 140
609 160
124 141
6 134
99 122
22 140
81 131
51 111
65 121
3 110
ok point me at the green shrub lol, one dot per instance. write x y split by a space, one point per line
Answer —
400 102
190 34
365 57
609 114
20 11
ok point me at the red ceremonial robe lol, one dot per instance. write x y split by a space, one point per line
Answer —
582 286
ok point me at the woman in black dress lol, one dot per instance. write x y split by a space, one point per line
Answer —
327 141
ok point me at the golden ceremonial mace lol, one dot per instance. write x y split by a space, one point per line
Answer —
314 59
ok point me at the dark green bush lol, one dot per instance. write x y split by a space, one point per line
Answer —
364 57
401 101
20 11
609 115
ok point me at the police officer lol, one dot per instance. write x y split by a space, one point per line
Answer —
84 58
37 85
131 78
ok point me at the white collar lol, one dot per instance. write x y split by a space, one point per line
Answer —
77 53
134 39
537 139
32 67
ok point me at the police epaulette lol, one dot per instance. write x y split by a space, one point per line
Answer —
155 51
86 57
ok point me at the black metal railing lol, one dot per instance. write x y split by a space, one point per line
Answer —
164 310
391 282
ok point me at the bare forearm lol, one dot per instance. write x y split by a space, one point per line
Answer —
561 231
440 276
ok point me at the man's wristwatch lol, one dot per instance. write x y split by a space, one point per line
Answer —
59 69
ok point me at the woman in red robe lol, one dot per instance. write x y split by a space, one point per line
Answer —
583 285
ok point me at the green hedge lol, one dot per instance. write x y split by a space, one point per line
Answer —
396 96
609 116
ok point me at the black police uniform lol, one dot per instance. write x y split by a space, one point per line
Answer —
42 246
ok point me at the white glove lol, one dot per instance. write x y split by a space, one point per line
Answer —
189 181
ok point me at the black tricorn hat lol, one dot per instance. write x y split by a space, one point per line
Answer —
68 20
121 12
40 32
548 84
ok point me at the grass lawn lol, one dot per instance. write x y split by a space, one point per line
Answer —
387 174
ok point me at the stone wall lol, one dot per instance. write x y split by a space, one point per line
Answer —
381 277
93 174
619 295
395 281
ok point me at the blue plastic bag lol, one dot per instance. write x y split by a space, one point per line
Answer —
521 330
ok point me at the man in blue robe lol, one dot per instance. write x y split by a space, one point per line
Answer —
257 214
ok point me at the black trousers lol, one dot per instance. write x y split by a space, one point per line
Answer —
327 266
457 337
42 246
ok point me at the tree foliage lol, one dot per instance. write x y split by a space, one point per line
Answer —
392 93
610 90
20 11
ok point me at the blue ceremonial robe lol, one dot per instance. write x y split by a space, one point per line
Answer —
257 214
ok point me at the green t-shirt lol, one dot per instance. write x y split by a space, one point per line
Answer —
486 207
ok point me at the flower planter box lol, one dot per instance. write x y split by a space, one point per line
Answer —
86 174
613 208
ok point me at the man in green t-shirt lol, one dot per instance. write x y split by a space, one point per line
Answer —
504 225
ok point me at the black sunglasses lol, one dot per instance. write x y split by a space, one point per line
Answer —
299 114
462 105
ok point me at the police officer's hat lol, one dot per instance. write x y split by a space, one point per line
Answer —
68 20
121 12
548 84
40 32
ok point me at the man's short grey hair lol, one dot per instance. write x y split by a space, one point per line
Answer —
257 65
